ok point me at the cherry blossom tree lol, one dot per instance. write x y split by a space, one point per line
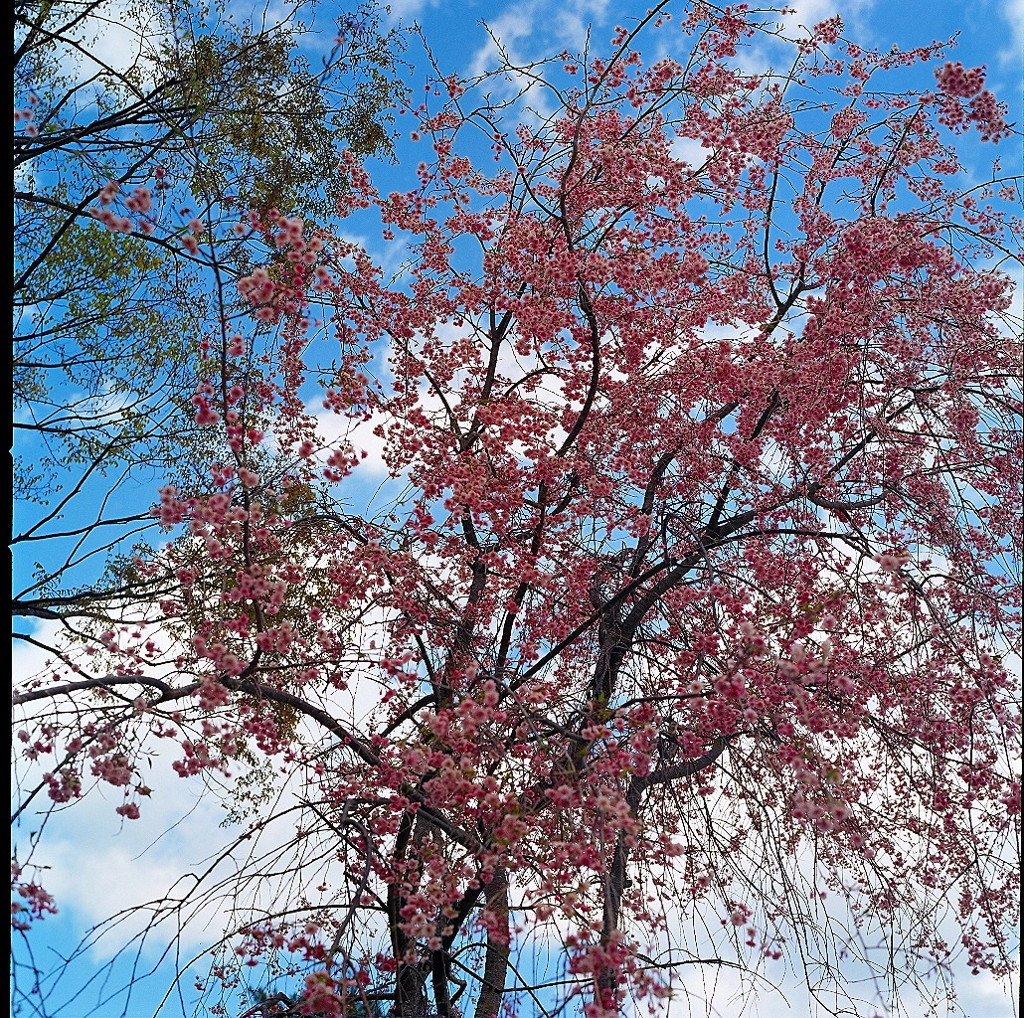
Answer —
679 636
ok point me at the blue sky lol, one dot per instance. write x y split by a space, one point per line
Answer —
99 865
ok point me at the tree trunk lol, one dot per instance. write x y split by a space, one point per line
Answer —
496 963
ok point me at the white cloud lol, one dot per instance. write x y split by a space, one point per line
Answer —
100 867
546 27
27 659
531 31
95 863
334 429
690 151
515 24
117 35
808 13
1013 14
129 878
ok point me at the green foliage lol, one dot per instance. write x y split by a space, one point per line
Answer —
215 116
267 127
97 346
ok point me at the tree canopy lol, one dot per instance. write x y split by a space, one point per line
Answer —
678 632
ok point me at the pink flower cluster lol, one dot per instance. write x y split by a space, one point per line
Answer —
829 31
26 115
114 769
140 201
988 114
846 121
205 414
37 902
112 221
956 80
171 509
63 787
319 997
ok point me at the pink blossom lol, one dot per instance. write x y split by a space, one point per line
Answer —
956 80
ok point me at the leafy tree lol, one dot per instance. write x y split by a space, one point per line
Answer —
679 640
198 117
